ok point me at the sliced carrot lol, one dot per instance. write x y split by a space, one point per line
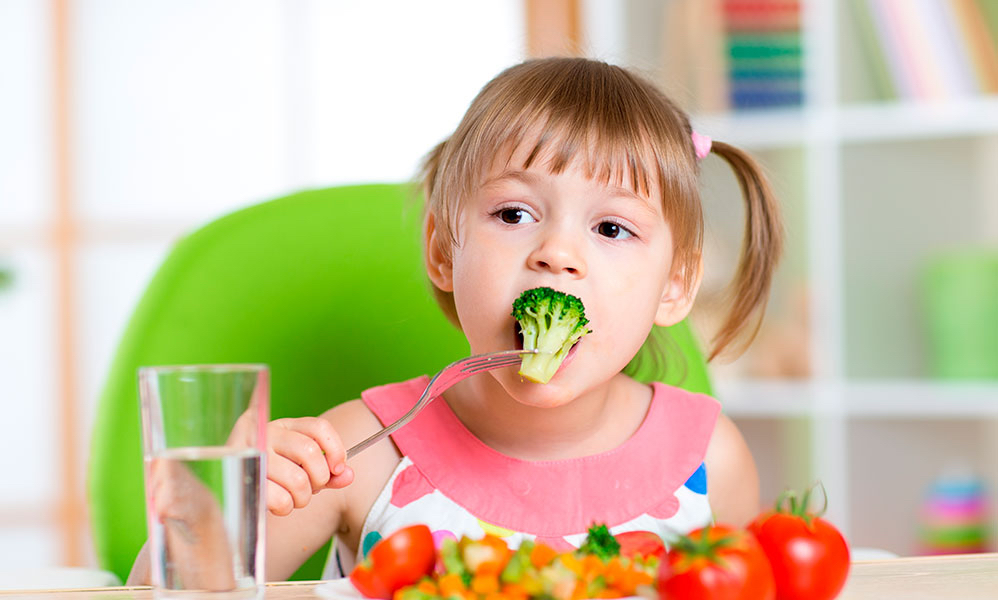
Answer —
541 555
592 566
571 562
427 586
514 591
614 570
451 584
484 584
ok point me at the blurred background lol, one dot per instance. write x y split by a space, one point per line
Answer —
125 125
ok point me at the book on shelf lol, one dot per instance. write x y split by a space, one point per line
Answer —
883 79
764 53
693 55
733 54
930 49
978 20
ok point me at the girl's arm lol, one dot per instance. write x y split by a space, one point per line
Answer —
314 513
732 478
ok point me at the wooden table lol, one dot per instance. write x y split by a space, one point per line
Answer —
970 577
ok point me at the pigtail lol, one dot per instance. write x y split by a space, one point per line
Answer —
761 249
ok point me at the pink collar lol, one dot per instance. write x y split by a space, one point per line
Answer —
561 497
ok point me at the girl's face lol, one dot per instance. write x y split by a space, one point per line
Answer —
527 228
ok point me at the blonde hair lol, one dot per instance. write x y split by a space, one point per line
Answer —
624 131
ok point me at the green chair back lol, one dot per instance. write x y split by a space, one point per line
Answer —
317 285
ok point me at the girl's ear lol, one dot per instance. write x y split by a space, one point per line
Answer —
438 263
677 297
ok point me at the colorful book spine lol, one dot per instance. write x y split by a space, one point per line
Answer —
989 13
764 53
951 58
885 86
982 45
935 49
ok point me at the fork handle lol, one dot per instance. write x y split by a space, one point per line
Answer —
377 437
430 393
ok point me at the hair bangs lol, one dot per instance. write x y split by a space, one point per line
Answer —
618 129
602 119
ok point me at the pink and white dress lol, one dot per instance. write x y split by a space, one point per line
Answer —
451 481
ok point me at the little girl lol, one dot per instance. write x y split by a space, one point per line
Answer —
580 176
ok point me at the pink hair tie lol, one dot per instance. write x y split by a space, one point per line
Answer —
701 145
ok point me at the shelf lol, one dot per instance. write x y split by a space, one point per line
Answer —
867 399
761 398
854 123
921 399
972 117
758 129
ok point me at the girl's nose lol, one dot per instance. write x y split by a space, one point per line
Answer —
558 255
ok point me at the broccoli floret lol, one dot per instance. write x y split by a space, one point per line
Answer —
551 323
600 541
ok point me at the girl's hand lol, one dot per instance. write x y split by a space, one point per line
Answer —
195 539
304 457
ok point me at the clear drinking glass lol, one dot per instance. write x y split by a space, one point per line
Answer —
204 444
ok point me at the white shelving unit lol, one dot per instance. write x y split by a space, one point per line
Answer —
867 420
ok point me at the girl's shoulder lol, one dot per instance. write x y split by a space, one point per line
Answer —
676 404
390 401
354 422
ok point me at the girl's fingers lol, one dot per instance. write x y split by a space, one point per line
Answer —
304 452
330 446
323 433
286 474
279 500
304 456
341 480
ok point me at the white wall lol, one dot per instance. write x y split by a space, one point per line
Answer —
183 110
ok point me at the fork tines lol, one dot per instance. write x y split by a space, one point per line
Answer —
483 362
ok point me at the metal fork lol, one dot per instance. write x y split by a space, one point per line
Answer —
451 374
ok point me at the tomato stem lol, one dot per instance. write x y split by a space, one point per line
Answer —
824 498
704 546
789 502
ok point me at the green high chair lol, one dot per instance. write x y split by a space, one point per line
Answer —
323 286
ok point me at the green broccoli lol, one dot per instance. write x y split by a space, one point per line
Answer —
600 541
551 323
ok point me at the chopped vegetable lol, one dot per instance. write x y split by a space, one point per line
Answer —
640 543
399 560
551 322
487 569
600 542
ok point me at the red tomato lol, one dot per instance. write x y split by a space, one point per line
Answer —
640 543
401 559
716 562
809 556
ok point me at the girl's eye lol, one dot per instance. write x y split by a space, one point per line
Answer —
514 216
613 230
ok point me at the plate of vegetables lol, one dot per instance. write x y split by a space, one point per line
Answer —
788 553
407 566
